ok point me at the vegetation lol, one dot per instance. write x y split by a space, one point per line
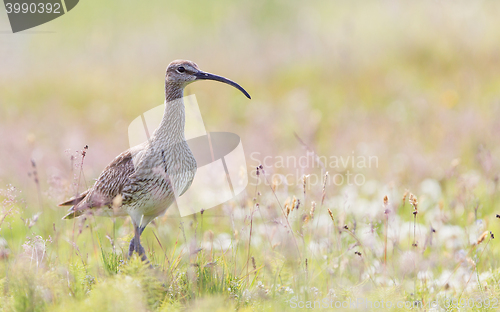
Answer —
413 84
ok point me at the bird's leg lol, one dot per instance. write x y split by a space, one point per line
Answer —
137 243
131 247
137 238
142 253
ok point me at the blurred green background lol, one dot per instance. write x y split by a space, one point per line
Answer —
414 83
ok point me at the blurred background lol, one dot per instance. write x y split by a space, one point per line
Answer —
415 84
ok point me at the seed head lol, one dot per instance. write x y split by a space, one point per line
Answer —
84 151
305 218
313 207
404 197
117 202
324 189
413 201
482 237
275 183
331 214
294 203
287 206
304 182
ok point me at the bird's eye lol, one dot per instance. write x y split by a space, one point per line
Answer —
181 69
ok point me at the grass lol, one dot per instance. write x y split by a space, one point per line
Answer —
294 255
414 84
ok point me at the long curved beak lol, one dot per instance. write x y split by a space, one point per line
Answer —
207 76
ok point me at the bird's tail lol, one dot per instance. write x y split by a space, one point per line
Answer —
74 200
73 213
77 204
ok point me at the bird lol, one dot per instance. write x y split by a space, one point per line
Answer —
143 181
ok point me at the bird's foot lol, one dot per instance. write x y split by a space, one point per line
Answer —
131 248
140 251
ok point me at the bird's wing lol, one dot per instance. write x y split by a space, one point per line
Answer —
109 184
185 188
188 185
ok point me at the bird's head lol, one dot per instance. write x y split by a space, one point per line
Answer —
181 73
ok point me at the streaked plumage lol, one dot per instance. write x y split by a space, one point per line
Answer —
141 181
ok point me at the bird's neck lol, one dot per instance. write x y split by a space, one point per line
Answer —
171 128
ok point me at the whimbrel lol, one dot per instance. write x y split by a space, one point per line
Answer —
143 181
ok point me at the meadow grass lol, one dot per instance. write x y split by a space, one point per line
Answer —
259 253
413 83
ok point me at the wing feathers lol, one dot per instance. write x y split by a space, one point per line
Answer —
109 184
